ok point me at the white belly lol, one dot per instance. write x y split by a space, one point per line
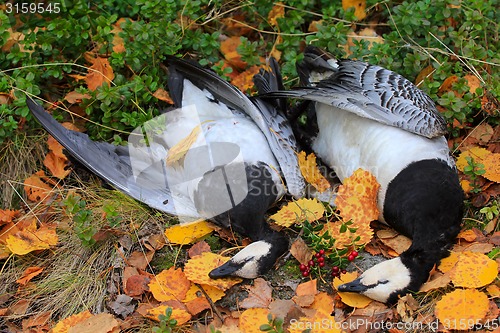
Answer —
347 142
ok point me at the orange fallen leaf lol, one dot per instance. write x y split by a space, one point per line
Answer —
244 80
361 236
198 248
352 299
177 152
492 167
299 211
188 233
397 242
100 72
229 48
28 274
357 198
311 173
462 309
251 319
359 7
8 215
278 11
64 325
170 284
323 302
473 82
197 269
307 288
36 188
469 235
449 262
163 95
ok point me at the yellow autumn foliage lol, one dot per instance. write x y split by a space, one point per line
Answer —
461 309
198 267
299 211
311 173
188 233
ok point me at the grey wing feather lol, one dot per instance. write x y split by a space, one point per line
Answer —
371 92
265 116
111 163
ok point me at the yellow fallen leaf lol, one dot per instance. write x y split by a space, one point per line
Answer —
469 235
198 267
449 262
251 319
182 316
180 149
299 211
311 173
195 292
35 187
477 154
462 309
473 270
352 299
359 7
188 233
170 284
26 241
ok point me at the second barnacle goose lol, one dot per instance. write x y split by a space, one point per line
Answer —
372 118
242 152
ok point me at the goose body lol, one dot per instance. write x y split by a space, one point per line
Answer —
369 117
240 154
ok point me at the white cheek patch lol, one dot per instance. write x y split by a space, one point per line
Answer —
386 278
251 255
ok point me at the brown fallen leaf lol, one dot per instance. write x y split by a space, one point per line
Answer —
76 97
438 280
163 95
136 285
64 325
259 295
300 251
37 188
198 248
100 72
140 259
99 323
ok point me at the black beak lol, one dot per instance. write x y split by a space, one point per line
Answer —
353 287
225 270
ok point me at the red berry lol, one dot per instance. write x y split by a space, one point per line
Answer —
335 274
302 267
317 255
310 263
321 264
343 271
321 259
351 257
321 252
305 273
335 269
354 254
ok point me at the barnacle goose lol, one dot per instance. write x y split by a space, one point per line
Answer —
372 118
232 173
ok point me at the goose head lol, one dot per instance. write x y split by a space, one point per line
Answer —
382 282
254 260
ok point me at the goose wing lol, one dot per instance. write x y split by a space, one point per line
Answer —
369 91
272 123
113 164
